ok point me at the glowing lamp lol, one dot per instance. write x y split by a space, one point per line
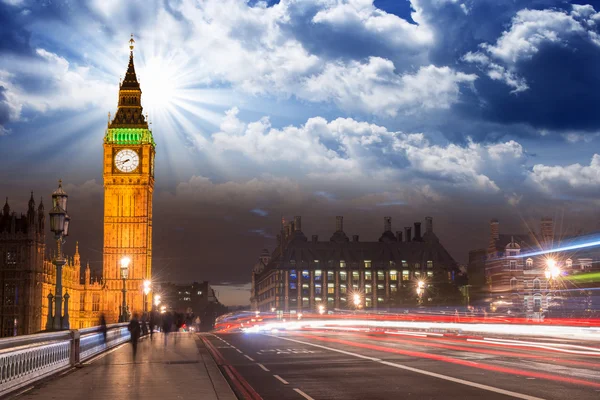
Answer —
147 287
125 267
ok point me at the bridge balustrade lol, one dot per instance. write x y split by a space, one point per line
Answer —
30 358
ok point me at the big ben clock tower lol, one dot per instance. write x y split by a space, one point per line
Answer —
128 170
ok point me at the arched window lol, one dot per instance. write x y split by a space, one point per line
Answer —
537 303
513 284
529 263
536 284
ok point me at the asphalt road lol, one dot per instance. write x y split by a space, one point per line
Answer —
362 366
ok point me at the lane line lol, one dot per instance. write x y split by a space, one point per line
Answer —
248 357
239 351
301 393
281 379
420 371
263 367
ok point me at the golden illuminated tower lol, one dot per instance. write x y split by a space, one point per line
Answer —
128 170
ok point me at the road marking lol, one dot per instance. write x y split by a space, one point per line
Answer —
238 350
281 379
263 367
301 393
420 371
249 358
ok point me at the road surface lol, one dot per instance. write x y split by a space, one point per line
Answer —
324 365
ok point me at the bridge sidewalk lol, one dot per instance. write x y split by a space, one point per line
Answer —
182 369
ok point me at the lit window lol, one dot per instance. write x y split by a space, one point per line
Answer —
368 302
417 274
330 301
368 275
393 275
305 286
318 288
305 274
318 274
392 264
429 274
380 299
343 289
529 263
354 287
95 302
293 275
293 285
368 289
318 299
380 275
199 292
393 288
330 288
355 275
342 264
404 264
343 275
405 275
430 264
367 263
380 286
305 302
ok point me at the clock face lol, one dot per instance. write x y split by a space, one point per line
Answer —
127 160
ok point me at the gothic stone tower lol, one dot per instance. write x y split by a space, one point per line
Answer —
128 171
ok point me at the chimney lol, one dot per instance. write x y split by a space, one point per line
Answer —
495 229
339 224
547 228
355 238
315 238
399 235
407 233
418 231
387 224
297 223
428 225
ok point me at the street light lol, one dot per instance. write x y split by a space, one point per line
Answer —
59 225
420 291
357 300
124 274
321 309
147 289
157 300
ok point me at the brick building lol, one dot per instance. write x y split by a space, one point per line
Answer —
302 274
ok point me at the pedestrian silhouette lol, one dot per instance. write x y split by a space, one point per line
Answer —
166 326
103 327
152 323
134 330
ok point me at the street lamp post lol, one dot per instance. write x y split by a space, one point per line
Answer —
552 273
357 300
124 274
147 285
59 225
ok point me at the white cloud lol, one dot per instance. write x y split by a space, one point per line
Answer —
529 31
570 180
376 88
346 150
364 16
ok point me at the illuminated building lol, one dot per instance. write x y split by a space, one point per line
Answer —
27 276
128 169
519 279
309 275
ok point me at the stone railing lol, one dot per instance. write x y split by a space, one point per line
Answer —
29 358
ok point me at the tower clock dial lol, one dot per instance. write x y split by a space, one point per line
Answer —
127 160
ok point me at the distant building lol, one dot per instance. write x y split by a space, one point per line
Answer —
476 274
27 277
519 279
186 298
301 274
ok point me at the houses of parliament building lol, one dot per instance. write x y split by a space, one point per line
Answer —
27 274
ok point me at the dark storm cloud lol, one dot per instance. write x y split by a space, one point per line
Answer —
5 109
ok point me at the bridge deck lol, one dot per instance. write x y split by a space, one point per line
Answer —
181 369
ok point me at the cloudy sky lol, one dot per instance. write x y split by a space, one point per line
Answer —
463 110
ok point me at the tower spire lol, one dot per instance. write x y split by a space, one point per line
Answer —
129 113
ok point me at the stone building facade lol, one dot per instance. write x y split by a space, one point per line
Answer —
302 274
27 276
518 269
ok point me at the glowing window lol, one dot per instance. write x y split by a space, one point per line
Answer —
393 275
367 264
405 275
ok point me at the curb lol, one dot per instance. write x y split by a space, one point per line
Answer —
241 387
